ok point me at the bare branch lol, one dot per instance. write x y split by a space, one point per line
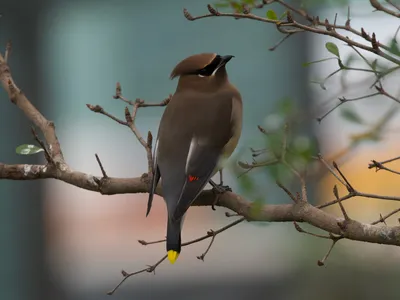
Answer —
287 191
380 7
380 166
370 166
210 234
321 159
126 275
323 260
42 144
382 219
336 193
318 27
100 110
19 99
348 185
301 230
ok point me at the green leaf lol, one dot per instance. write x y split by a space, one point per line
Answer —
332 48
26 149
236 6
374 64
286 106
349 59
246 183
394 48
351 116
283 15
272 15
222 5
317 61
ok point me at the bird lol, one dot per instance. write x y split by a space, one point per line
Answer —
198 131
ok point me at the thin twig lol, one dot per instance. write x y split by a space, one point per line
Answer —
321 159
212 233
230 215
359 194
301 230
216 232
370 166
100 110
323 260
101 166
280 42
382 91
396 6
348 185
207 236
380 7
382 219
144 243
336 193
292 26
380 166
149 269
41 143
287 191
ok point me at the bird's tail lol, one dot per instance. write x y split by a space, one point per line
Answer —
173 239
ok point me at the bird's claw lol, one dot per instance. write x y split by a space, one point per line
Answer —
220 189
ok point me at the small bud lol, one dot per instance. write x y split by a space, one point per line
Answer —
335 192
128 116
374 43
149 139
187 15
327 25
289 17
212 10
364 34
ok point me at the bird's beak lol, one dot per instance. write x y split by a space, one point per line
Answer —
224 60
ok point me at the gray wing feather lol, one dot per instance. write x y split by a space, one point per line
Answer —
155 180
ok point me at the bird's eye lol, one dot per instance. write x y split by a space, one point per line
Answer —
203 72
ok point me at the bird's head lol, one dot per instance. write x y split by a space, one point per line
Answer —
200 69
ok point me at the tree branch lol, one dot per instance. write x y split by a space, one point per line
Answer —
291 26
299 212
19 99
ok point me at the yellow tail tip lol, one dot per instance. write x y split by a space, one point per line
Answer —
172 256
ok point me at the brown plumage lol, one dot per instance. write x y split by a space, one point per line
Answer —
200 127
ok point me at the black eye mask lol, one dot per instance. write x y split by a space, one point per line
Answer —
210 68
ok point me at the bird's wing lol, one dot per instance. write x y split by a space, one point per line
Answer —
201 161
202 135
155 179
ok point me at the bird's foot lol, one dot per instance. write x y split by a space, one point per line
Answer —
218 189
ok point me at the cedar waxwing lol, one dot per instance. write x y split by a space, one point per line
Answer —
200 128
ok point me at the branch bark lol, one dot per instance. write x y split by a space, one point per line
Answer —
299 212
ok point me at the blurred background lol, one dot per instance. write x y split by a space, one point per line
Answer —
62 242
